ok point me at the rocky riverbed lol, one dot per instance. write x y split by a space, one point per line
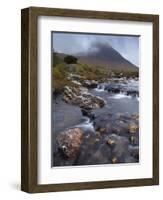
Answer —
96 122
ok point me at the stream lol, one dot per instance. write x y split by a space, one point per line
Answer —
122 102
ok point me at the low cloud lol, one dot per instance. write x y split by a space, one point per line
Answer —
73 43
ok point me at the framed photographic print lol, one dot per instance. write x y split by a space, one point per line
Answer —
90 99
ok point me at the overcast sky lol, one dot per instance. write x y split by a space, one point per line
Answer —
73 43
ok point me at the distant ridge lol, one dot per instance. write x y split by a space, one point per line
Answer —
103 55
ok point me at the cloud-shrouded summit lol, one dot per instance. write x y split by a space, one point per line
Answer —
84 44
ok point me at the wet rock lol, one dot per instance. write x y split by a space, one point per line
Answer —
134 151
76 77
119 146
97 139
93 140
88 113
76 82
114 88
103 130
111 142
90 83
114 160
121 150
102 121
101 86
119 127
81 80
134 140
81 97
122 86
69 142
99 158
97 133
132 93
133 128
100 155
125 117
135 117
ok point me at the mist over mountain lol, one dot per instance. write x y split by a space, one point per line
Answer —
105 55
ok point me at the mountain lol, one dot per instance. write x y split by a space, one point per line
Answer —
100 55
105 55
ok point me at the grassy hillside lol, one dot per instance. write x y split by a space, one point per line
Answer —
61 72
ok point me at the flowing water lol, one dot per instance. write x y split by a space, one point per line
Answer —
68 116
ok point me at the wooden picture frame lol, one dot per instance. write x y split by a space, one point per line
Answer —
29 97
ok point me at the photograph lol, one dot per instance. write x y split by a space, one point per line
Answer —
89 99
95 99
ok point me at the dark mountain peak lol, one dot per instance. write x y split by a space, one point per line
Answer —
105 55
104 51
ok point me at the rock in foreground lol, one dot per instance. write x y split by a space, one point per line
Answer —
69 142
122 152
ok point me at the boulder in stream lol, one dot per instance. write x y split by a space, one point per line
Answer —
69 142
81 97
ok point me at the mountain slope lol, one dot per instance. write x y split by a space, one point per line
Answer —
105 55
